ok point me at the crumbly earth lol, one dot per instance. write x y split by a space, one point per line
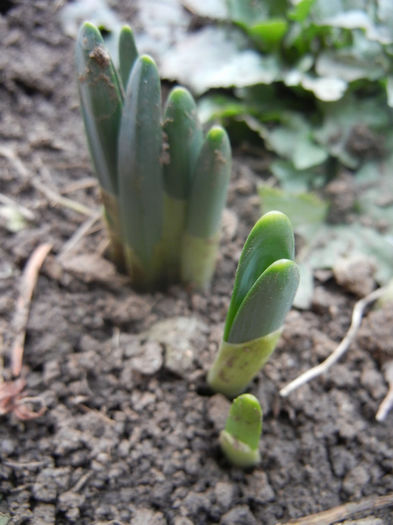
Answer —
125 437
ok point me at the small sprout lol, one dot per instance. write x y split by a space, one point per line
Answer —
240 439
128 54
163 183
265 285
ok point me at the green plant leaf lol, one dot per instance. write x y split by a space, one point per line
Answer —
269 240
240 439
209 185
184 138
264 308
247 12
324 244
362 59
244 421
301 10
306 211
101 103
297 181
343 119
269 33
214 107
128 54
140 172
242 66
293 140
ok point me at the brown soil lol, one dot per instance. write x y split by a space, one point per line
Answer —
123 441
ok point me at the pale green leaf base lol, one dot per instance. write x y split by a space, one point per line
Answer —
198 260
145 277
237 364
237 452
112 222
174 222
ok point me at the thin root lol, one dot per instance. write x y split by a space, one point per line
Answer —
13 400
387 403
83 230
346 511
21 315
50 194
316 371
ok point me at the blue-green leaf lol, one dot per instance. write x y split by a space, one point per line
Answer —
184 137
264 308
101 103
128 54
244 422
209 185
270 239
140 172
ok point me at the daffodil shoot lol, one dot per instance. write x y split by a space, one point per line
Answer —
239 440
265 285
163 181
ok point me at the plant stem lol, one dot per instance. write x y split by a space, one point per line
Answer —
237 364
198 260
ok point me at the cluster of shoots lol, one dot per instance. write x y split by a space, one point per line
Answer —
163 184
163 181
265 285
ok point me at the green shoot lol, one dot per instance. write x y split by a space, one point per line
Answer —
240 439
265 285
206 202
128 54
101 103
140 196
184 137
163 183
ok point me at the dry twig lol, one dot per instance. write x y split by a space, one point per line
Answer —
12 397
25 212
316 371
387 403
343 512
13 400
27 285
51 195
84 228
83 184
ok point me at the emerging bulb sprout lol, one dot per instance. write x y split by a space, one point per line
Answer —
163 181
240 439
265 285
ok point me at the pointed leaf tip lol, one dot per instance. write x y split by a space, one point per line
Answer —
184 137
209 185
270 239
128 54
139 152
101 103
264 308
